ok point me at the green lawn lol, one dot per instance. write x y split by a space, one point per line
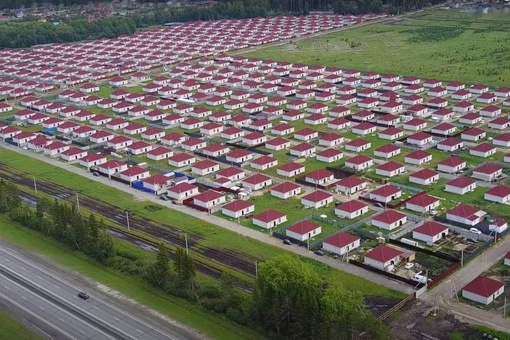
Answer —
178 309
444 44
213 235
12 329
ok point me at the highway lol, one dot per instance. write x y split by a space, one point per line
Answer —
50 300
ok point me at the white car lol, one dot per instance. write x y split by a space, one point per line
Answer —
475 231
409 265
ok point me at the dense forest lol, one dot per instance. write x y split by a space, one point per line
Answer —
30 32
290 301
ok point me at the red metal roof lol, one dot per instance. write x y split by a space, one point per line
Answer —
303 227
483 286
351 206
383 254
341 240
431 228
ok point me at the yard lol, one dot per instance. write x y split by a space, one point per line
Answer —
444 44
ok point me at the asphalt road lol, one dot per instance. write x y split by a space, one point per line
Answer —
130 322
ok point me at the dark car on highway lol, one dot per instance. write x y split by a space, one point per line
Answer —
83 295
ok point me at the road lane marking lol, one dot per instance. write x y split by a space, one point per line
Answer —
82 332
23 268
7 288
41 307
24 298
60 319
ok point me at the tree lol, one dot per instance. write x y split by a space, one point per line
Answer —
159 271
184 268
104 247
287 297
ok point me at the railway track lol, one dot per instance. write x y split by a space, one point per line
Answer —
170 234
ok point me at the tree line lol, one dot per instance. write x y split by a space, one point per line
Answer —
290 299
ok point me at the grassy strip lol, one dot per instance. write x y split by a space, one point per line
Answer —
214 235
178 309
490 331
12 329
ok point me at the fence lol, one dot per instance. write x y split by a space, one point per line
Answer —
460 228
383 272
405 187
395 308
449 271
439 255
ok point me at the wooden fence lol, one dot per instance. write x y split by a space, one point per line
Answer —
395 308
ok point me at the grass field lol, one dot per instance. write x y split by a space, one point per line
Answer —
443 44
178 309
11 329
213 235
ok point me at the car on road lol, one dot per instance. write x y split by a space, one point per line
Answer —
95 173
83 295
378 205
287 242
475 231
319 253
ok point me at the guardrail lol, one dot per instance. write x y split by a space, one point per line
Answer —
95 321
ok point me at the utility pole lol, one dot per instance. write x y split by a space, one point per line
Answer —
504 308
127 220
77 202
35 185
186 241
256 268
462 257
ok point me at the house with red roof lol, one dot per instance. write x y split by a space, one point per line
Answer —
358 145
437 102
351 209
450 144
502 140
390 169
473 134
430 232
73 154
238 208
182 190
422 203
341 243
303 150
133 174
269 219
500 123
506 261
483 150
451 165
306 134
359 162
486 98
209 199
303 230
157 183
205 167
285 190
93 159
461 94
139 147
215 150
364 128
483 290
487 172
317 199
282 129
437 91
463 107
460 185
330 139
498 194
257 182
387 151
418 157
180 160
424 177
159 153
290 169
339 123
55 148
385 194
329 155
119 142
490 111
239 156
254 138
351 185
320 177
112 167
383 257
193 144
465 214
444 129
471 118
389 220
391 133
415 124
264 162
419 139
